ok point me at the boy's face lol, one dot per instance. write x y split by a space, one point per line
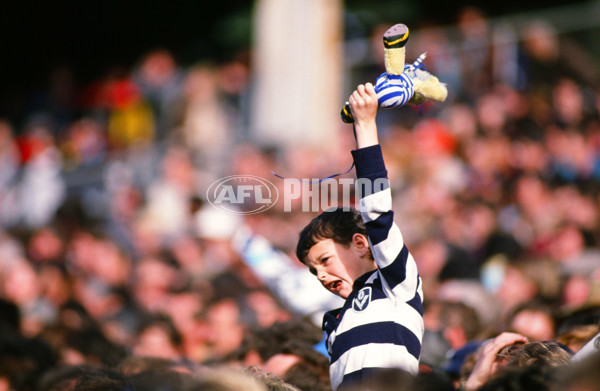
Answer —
337 266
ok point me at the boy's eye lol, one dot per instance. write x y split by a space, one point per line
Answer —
325 260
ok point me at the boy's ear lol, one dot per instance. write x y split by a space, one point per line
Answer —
360 244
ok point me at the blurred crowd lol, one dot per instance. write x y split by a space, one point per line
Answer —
114 270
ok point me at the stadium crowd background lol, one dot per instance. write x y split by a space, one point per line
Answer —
109 251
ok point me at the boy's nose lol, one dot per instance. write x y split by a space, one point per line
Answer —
321 275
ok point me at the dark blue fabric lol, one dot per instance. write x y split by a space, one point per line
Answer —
368 161
395 273
378 229
416 303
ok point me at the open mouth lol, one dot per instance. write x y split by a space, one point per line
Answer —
334 285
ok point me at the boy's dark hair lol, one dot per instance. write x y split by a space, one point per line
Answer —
340 225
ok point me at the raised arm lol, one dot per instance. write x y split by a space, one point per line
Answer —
392 257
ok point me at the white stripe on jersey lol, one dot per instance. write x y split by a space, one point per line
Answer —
386 252
373 205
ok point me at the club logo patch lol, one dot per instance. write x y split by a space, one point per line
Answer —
362 300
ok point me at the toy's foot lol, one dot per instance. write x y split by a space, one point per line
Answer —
395 37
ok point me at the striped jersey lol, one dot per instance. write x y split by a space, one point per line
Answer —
381 322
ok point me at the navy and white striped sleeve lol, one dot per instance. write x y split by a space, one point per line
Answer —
393 259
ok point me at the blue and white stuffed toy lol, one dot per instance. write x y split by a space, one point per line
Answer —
402 83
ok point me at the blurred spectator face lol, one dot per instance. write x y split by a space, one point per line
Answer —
430 256
200 84
233 77
250 160
158 67
491 114
182 309
97 298
479 222
146 236
432 199
488 156
188 253
516 288
535 325
153 280
486 159
529 156
568 101
516 103
55 284
125 203
226 331
576 291
576 207
540 41
567 244
571 151
86 142
154 341
117 331
178 169
529 190
45 245
100 258
110 264
265 308
80 252
473 23
534 199
196 341
152 273
20 283
462 121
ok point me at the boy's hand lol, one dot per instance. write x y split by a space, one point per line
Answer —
364 105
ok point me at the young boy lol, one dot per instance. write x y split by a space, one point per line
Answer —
361 257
